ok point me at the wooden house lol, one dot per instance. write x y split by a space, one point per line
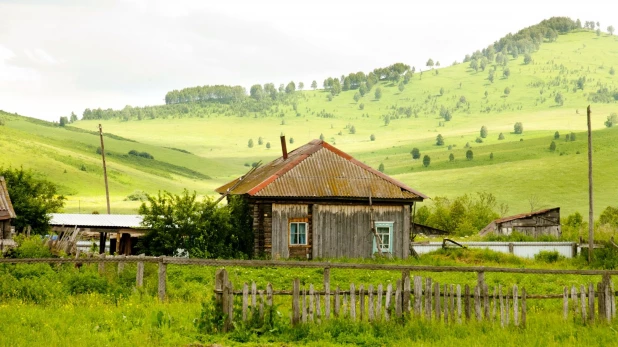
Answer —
535 224
319 202
7 213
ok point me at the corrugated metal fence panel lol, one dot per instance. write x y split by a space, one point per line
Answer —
520 249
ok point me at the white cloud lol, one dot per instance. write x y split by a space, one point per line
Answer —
63 56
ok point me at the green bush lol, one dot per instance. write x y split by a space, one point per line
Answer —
29 247
548 256
87 282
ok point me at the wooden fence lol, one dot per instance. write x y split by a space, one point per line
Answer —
410 297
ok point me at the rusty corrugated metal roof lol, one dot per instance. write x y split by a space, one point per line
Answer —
6 207
491 227
318 169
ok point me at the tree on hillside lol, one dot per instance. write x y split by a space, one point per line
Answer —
260 141
63 121
301 85
381 167
74 116
352 130
256 92
322 137
483 63
491 156
518 128
559 99
491 76
416 153
598 32
483 131
556 135
362 89
506 72
430 63
250 143
451 157
612 120
314 85
501 136
552 146
507 91
291 140
527 59
474 64
612 71
441 91
469 154
426 160
336 88
439 140
33 199
401 87
290 88
610 29
378 93
372 137
267 145
357 96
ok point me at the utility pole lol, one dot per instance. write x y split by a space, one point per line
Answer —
103 236
590 202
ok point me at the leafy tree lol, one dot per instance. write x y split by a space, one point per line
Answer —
612 71
518 128
426 160
556 135
329 97
451 157
267 145
506 72
441 91
336 88
357 97
260 141
430 63
611 120
483 131
474 64
469 154
362 89
491 156
486 94
314 85
33 199
581 82
64 121
250 143
322 137
256 92
290 88
387 120
598 32
301 85
381 167
352 129
483 63
527 59
74 116
552 146
378 93
200 227
291 140
416 153
507 91
439 140
401 86
478 140
609 216
361 106
572 136
491 76
372 137
610 29
501 136
559 99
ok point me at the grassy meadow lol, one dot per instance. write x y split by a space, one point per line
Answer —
523 169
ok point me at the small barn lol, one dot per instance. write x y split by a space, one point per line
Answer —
123 229
7 214
535 224
319 202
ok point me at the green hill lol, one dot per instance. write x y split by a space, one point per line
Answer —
547 90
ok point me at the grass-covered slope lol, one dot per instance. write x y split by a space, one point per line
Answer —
217 135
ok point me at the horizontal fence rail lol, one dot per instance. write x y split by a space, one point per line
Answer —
520 249
307 264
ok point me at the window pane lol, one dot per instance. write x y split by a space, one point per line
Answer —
302 232
293 233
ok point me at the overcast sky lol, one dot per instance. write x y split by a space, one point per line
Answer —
62 56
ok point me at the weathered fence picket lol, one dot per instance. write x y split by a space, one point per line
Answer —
370 303
387 303
327 293
361 301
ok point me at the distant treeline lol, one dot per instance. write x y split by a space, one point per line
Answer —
527 40
218 93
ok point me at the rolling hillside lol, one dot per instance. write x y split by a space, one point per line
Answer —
214 139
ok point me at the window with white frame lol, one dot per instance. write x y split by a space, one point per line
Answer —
298 233
385 232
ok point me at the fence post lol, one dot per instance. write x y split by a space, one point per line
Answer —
245 301
304 305
565 303
398 299
437 309
327 293
591 301
295 301
361 304
467 302
428 298
139 276
405 281
601 300
523 307
311 303
458 304
102 264
584 303
269 295
229 289
387 302
370 305
502 318
220 281
480 282
515 305
452 303
337 301
486 302
378 312
418 294
608 302
574 299
477 303
121 263
493 313
613 298
352 302
162 279
318 312
447 293
253 296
